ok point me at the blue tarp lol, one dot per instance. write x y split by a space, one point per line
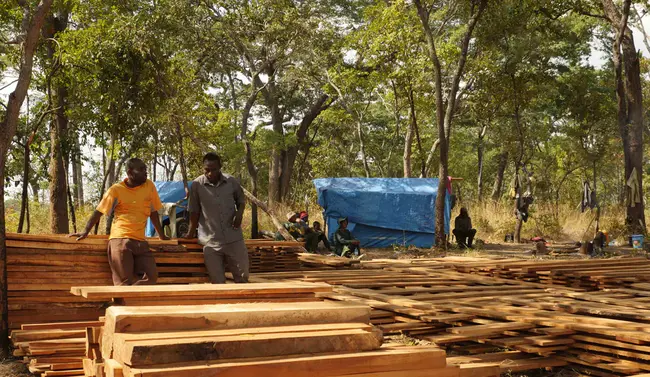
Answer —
383 211
169 192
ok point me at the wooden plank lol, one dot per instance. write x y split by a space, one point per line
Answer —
383 360
62 325
211 290
151 352
229 316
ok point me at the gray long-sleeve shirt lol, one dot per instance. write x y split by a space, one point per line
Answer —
217 205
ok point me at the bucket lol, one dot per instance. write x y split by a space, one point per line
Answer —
637 241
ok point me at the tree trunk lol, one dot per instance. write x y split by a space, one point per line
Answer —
109 178
243 133
414 121
479 192
498 180
630 106
362 148
518 193
179 134
444 116
320 105
77 174
24 202
408 142
275 169
59 222
428 163
35 188
31 27
480 150
154 165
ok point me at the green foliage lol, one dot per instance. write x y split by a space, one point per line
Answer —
138 71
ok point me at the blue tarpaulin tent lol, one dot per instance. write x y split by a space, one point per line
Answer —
383 211
169 192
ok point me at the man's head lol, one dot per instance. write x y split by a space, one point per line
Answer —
343 223
212 167
291 217
463 212
136 170
316 225
304 217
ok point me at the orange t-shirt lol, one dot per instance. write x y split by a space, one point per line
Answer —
131 208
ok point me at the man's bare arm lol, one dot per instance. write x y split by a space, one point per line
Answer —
94 219
155 220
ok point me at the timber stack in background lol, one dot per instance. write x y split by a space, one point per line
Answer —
42 269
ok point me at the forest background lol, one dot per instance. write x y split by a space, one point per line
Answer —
287 91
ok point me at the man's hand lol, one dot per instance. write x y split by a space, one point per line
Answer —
79 236
163 237
189 234
236 221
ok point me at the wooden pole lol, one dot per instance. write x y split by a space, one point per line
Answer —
287 236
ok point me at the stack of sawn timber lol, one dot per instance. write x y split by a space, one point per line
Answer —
42 269
263 255
58 348
318 338
54 349
587 274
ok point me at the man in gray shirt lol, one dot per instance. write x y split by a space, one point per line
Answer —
217 206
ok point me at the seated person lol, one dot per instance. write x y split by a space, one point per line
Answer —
321 235
303 216
345 245
463 229
291 225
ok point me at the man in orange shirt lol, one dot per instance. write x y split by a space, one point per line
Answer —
132 202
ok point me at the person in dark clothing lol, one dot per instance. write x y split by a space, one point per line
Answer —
345 245
321 235
463 230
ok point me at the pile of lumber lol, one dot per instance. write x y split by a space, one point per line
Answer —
316 261
263 255
317 338
42 269
54 349
602 333
587 274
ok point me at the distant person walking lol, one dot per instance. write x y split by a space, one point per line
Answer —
463 230
131 202
216 207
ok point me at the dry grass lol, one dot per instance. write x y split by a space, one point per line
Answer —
566 223
492 220
40 217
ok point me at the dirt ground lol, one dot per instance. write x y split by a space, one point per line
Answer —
13 368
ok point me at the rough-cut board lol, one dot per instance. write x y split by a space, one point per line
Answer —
199 290
402 359
219 317
191 348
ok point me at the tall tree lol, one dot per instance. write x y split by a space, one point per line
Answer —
57 94
630 109
28 37
446 95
